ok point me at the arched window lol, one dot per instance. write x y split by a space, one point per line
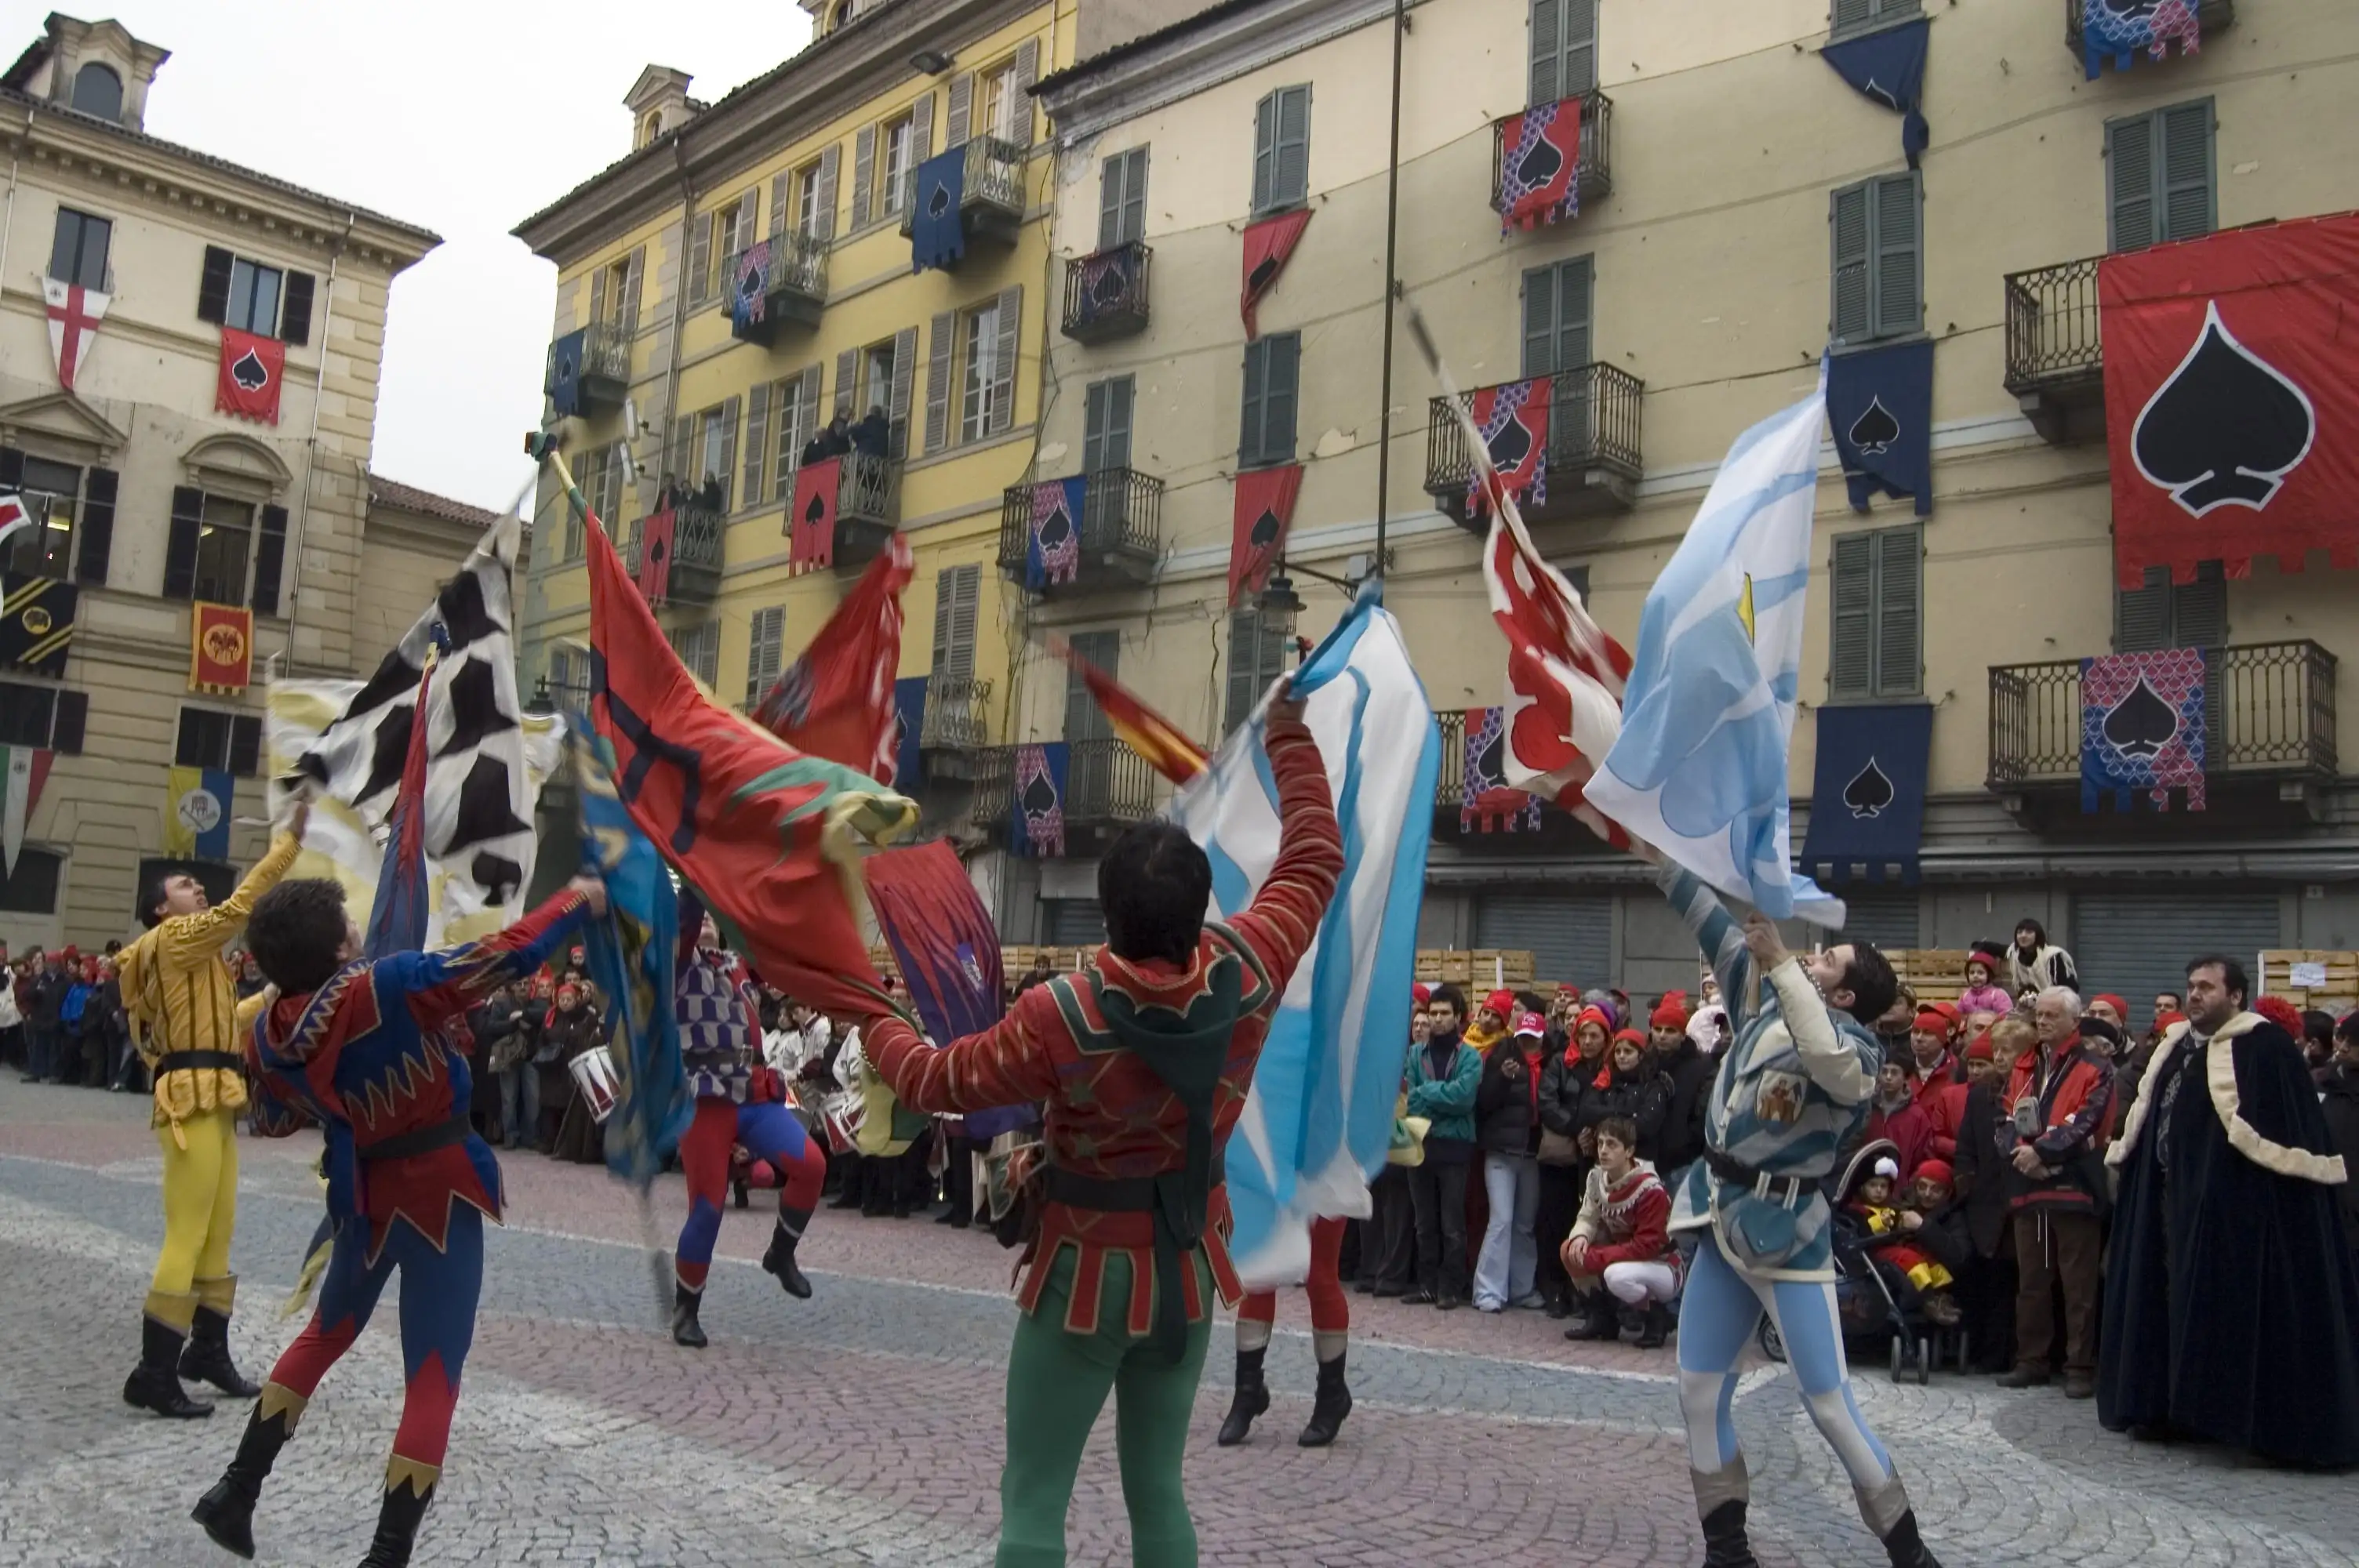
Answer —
846 12
98 91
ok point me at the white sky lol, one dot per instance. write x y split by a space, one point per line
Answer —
459 117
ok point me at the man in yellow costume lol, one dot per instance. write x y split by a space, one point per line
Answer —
182 1004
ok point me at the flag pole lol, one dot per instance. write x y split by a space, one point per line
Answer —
1392 288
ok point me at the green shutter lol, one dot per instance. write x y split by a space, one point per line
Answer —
1105 429
955 591
1572 293
1539 320
1849 223
1110 200
1852 664
1279 396
1900 573
1245 666
1851 14
1577 73
1547 50
2142 615
2188 202
2199 610
1134 199
1265 167
1291 177
2130 179
1249 430
1899 258
1084 719
1122 200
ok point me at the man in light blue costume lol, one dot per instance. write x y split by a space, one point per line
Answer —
1790 1093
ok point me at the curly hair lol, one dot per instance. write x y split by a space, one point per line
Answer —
297 934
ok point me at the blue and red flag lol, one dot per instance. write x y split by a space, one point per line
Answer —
835 700
941 935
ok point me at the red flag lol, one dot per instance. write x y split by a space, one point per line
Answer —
657 535
251 369
1537 167
1513 421
1268 245
2232 398
941 935
1564 676
221 648
767 833
1265 508
1168 750
811 525
836 700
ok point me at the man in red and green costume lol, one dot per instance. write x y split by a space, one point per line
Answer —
1143 1061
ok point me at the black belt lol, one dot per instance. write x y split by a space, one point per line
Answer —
197 1061
1782 1190
1131 1194
419 1141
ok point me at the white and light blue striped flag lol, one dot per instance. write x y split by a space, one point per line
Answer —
1699 771
1320 1118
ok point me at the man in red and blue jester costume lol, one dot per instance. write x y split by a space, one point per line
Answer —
363 1049
1143 1061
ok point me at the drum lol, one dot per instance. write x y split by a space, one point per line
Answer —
593 1074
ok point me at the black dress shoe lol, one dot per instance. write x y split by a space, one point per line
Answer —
1418 1297
1449 1303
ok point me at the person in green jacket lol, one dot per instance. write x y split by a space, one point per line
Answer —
1441 1079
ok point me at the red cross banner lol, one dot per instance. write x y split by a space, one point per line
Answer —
251 370
74 315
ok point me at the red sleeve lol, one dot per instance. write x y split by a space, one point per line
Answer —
1650 1234
1285 915
1007 1064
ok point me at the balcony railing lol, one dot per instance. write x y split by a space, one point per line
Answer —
1594 456
2270 713
1107 293
1108 787
958 714
993 205
605 376
698 529
2211 17
1121 532
794 288
1594 178
2055 354
867 508
1450 784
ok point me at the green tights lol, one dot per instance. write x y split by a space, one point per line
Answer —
1056 1384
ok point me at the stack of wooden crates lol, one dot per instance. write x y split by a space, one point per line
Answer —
2338 973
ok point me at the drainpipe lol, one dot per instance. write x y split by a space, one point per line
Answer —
311 445
1392 288
8 218
678 300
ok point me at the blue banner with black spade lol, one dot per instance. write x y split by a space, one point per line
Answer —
1889 67
1867 805
909 730
1880 402
565 373
937 231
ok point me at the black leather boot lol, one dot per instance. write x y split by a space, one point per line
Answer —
1333 1404
396 1525
1904 1546
1658 1327
1724 1545
1593 1318
154 1383
848 1188
1252 1399
780 1257
227 1511
206 1360
685 1329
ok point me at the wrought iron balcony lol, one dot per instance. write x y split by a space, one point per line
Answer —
957 723
1450 784
1107 293
2055 354
2269 710
1593 179
2211 17
867 509
1120 527
1108 788
606 377
697 531
789 294
1594 457
992 207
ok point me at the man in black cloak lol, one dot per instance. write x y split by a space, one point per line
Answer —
2231 1304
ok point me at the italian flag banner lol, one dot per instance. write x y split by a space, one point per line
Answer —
24 769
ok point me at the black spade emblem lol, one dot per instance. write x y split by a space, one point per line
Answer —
1874 431
1056 529
1259 278
938 203
1869 792
566 370
816 512
656 552
2141 724
2226 428
1110 286
1489 761
2133 10
249 371
1511 446
1540 163
1264 532
1040 796
498 876
1881 94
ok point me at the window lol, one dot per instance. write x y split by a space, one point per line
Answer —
254 297
1877 651
1257 645
900 167
1849 18
2164 615
1272 371
2158 176
32 889
97 90
1878 263
979 352
1281 173
698 648
1106 438
1577 574
223 545
1089 784
213 539
617 304
1000 103
957 591
971 371
794 405
569 678
43 716
209 738
1122 200
650 126
712 460
712 240
767 655
1564 50
807 203
876 369
51 493
1556 317
78 249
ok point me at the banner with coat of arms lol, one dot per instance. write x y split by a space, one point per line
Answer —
196 814
37 622
221 648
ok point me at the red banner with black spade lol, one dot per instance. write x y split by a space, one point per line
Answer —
1265 510
811 526
2232 398
251 369
1513 421
1537 168
657 535
1268 244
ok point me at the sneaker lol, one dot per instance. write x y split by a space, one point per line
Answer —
1530 1301
1419 1297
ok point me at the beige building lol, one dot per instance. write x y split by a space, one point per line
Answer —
148 498
1723 174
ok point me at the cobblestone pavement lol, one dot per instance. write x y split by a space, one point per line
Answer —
862 1427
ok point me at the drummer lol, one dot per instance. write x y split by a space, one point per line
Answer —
574 1029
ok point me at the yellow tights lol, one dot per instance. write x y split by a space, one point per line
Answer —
199 1212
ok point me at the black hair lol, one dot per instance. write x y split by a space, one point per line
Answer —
2317 1026
295 932
2232 973
2039 932
1529 1002
151 908
1154 885
1453 996
2347 1031
1871 982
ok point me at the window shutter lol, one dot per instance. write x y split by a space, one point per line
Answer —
2142 615
1540 322
765 653
244 745
1265 167
2199 610
181 544
1133 204
700 256
955 592
847 375
730 410
1003 379
1245 664
598 296
269 561
212 284
634 276
1278 398
938 380
1899 659
12 469
1094 423
295 316
1118 432
1111 193
962 111
831 167
2130 176
1850 14
611 464
749 216
1851 666
1848 224
1899 260
757 441
97 547
1027 71
1084 719
905 376
1253 405
72 722
921 132
1293 168
781 197
808 404
942 597
1572 295
677 456
2188 203
1546 50
1578 72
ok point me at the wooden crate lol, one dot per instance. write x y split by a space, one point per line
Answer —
1510 966
1935 974
2334 996
1445 965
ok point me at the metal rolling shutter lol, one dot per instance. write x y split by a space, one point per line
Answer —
2136 944
1571 935
1074 922
1889 917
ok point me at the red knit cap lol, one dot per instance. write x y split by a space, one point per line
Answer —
1595 1015
1936 1171
1422 993
1671 1014
2121 1009
1931 1021
2281 1012
1501 1003
1981 1050
1631 1035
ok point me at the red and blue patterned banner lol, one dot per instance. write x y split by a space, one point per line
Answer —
2120 28
749 295
1110 283
1513 421
1537 175
2143 727
1053 546
1037 825
1487 804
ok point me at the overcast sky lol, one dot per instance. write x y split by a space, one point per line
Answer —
460 117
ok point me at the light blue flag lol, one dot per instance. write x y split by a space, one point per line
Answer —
1700 769
1320 1117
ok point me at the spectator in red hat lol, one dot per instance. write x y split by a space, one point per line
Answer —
1629 1084
2110 1007
1894 1114
1687 1074
1930 1064
1985 967
1507 1126
1566 1147
1490 1025
1985 1137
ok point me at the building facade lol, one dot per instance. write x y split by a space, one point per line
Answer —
189 366
1741 212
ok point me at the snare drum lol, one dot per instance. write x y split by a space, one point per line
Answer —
593 1074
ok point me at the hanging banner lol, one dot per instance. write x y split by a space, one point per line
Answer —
1052 540
938 226
2143 727
1513 421
1539 169
1037 825
1880 403
1867 803
811 525
196 814
657 535
909 732
22 770
37 622
749 292
1268 244
1109 283
221 648
2119 30
74 315
565 358
251 370
1889 67
1485 803
1265 510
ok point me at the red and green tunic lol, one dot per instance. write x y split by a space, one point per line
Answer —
1109 1116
